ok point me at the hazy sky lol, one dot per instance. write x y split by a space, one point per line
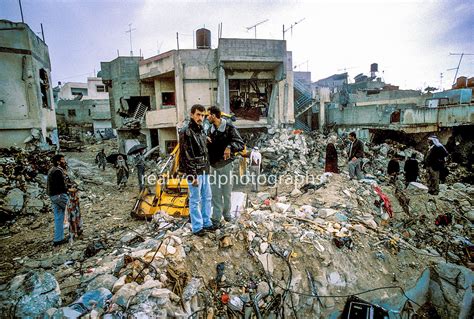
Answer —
410 40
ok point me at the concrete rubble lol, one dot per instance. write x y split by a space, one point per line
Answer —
288 252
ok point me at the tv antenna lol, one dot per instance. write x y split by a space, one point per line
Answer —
290 28
346 68
255 26
158 46
459 64
305 62
130 31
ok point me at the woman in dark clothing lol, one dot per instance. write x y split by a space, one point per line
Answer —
411 169
331 156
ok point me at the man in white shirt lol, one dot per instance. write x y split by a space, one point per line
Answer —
254 168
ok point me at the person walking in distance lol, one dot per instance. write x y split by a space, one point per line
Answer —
223 142
122 171
255 160
194 163
411 169
57 191
331 156
434 163
356 153
101 159
140 165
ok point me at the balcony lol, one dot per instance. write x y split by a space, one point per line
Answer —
161 118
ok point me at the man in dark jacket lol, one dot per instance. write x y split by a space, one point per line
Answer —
223 142
57 191
411 169
194 162
356 153
434 163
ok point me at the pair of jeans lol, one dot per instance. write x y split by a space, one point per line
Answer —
221 193
59 207
200 203
355 169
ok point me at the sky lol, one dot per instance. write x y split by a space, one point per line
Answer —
411 40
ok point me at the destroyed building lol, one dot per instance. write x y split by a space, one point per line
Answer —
84 107
251 78
26 97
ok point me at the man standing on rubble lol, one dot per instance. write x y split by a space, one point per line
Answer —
434 163
57 191
356 153
194 163
223 142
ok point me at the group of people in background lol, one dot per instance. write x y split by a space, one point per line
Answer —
434 162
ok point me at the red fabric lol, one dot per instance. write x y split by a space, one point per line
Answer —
386 202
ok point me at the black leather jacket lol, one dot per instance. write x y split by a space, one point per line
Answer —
193 155
220 140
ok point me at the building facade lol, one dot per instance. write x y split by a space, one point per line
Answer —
151 98
26 96
84 105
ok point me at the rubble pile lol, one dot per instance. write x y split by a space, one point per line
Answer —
290 152
281 254
23 182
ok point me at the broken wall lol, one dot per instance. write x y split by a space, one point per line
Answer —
26 97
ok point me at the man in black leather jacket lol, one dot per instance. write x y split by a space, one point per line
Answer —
223 142
194 163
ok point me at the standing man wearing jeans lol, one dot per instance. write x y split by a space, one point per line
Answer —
57 191
356 153
223 142
194 162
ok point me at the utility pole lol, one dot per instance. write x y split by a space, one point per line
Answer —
255 26
130 31
291 27
459 64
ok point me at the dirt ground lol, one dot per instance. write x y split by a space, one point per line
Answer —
105 211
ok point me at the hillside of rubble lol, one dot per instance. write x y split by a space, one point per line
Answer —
299 248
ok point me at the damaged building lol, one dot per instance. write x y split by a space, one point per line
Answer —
83 107
26 97
250 78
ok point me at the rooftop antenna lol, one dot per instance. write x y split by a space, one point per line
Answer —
21 11
291 27
305 62
130 31
255 26
346 68
459 64
158 46
441 81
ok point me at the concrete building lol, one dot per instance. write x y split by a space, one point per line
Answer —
374 108
26 96
84 106
150 98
